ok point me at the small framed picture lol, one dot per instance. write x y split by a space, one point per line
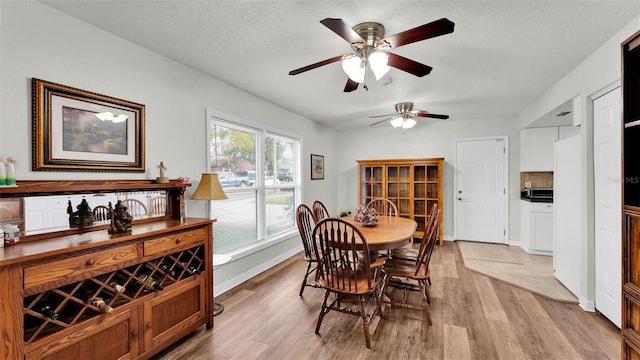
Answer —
317 167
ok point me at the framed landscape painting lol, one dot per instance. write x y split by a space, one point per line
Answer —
78 130
317 167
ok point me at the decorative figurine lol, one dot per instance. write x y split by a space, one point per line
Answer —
121 220
11 171
162 179
82 217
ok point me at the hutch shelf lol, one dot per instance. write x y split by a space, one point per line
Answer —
87 294
631 198
414 185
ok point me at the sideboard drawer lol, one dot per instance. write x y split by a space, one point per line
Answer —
78 265
174 242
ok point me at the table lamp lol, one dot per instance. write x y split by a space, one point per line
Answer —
209 188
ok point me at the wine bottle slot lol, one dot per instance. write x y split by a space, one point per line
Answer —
100 304
46 310
117 287
151 282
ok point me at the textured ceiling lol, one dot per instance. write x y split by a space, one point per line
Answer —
501 56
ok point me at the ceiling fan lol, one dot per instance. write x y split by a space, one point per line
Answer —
372 48
405 116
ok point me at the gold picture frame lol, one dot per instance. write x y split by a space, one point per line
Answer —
79 130
317 167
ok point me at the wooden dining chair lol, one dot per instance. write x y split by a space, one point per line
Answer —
408 275
304 220
158 205
383 206
409 253
319 211
346 272
101 213
135 207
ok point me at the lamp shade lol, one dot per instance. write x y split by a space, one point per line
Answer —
408 123
209 188
353 67
397 122
378 63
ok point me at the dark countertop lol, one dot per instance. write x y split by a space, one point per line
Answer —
542 199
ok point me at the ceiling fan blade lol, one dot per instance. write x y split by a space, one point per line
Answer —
430 115
316 65
408 65
423 32
350 86
379 116
342 29
378 122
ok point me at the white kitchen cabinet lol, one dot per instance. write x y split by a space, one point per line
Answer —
567 131
536 148
536 227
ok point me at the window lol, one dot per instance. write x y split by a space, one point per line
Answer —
259 207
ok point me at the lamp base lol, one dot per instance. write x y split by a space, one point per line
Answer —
217 308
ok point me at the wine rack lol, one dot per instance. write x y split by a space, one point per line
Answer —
71 303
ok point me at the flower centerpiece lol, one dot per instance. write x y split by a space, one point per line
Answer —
366 216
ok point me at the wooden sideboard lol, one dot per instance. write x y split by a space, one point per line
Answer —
413 185
155 283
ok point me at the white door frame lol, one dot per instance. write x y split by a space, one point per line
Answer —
505 204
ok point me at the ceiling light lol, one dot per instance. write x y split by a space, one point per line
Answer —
354 67
378 63
403 122
397 122
408 123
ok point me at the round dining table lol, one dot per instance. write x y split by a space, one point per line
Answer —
390 232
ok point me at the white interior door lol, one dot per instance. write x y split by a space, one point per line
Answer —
567 204
608 219
480 190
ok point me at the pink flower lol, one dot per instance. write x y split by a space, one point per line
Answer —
366 216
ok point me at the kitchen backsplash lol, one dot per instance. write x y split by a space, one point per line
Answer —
539 179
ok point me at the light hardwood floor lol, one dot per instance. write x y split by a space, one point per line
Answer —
515 266
474 317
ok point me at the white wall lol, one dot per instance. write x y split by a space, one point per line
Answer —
428 139
38 41
596 72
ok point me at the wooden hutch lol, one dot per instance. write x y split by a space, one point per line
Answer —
156 282
414 185
631 198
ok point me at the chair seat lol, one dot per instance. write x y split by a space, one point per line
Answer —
406 269
354 285
404 253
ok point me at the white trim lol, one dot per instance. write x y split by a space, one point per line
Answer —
586 304
607 89
240 278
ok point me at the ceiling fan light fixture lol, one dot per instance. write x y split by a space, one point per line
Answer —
353 67
408 123
397 122
378 63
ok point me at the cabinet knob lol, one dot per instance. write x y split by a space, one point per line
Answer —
178 240
459 199
91 261
149 325
134 333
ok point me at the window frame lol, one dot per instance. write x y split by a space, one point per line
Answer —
261 132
